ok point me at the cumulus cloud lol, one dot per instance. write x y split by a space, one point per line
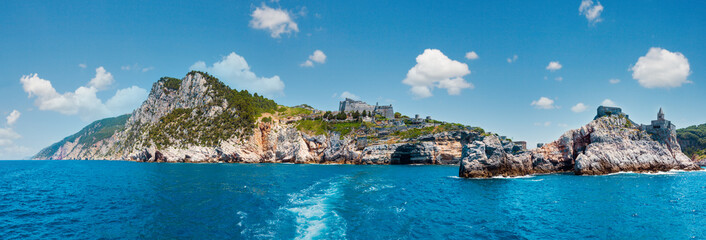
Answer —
102 80
579 107
276 21
543 103
553 66
512 59
83 101
591 11
125 100
307 63
347 94
614 81
660 68
318 56
12 117
82 65
608 103
434 69
7 136
472 55
235 71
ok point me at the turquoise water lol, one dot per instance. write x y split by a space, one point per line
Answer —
103 199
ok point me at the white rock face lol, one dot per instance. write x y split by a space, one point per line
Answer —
605 145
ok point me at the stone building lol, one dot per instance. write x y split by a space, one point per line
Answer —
608 111
350 105
660 126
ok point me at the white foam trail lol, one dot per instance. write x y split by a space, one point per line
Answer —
515 177
314 211
377 188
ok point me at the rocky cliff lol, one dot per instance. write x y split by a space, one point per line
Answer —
198 119
608 144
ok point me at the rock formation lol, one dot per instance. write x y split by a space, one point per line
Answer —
608 144
193 103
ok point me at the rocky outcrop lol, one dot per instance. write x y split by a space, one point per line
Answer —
608 144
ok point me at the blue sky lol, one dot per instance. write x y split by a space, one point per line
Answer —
654 48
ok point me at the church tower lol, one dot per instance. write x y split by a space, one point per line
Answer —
660 114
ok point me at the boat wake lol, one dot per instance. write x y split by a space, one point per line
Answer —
315 211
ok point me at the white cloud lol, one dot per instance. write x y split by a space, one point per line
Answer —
307 63
614 81
147 69
472 55
83 101
276 21
434 69
82 65
579 107
512 59
318 56
608 103
553 66
543 103
126 100
562 125
7 136
347 94
546 124
12 118
591 11
102 80
235 71
127 68
661 68
559 78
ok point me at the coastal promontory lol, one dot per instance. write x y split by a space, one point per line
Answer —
610 143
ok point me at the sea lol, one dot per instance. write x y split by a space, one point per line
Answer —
130 200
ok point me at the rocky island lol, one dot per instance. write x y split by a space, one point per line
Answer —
608 144
200 119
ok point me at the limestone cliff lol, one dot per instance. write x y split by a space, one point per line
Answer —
608 144
198 119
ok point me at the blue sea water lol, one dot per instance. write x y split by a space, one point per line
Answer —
118 200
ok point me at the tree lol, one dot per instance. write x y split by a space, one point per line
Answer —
356 114
365 114
327 115
398 115
341 116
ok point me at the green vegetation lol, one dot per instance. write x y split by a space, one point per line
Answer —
316 127
89 135
171 83
267 119
293 111
320 127
693 140
237 120
191 129
417 132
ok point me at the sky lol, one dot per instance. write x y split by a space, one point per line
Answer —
528 70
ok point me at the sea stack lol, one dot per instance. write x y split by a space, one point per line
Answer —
608 144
